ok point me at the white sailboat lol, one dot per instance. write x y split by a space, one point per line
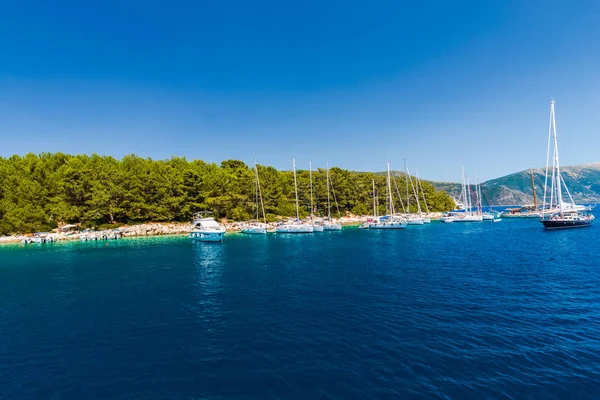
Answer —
486 216
365 225
467 215
295 226
412 219
426 218
330 225
317 227
561 214
389 221
257 227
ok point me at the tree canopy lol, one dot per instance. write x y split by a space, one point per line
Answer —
37 192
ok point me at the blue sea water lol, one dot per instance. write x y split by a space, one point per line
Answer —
458 311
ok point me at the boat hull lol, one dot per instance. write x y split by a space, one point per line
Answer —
255 230
469 218
294 229
560 224
521 215
388 225
447 219
333 227
207 236
318 228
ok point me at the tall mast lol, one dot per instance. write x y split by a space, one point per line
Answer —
469 196
558 179
533 189
262 204
422 191
311 190
296 189
389 189
464 188
256 186
413 188
407 192
328 200
547 161
392 208
374 203
478 194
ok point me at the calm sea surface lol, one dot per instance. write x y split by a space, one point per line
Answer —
462 311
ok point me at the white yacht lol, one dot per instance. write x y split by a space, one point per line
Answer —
206 229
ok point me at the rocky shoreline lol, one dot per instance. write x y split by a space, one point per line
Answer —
151 229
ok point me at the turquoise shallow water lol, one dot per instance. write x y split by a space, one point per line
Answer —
462 311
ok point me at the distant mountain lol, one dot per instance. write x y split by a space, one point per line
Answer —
583 182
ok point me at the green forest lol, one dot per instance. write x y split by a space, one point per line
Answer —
39 192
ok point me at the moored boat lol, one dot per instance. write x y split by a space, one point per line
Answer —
447 218
330 224
295 226
568 215
206 229
256 227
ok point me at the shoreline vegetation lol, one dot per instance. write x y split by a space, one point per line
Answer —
159 229
40 193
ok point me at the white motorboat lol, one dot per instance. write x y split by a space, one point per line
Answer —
206 229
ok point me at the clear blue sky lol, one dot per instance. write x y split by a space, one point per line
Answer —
443 83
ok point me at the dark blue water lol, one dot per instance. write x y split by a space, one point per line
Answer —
462 311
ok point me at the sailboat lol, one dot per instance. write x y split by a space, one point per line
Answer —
294 226
317 227
527 210
487 216
257 227
563 215
426 218
412 219
468 215
365 225
330 225
389 221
